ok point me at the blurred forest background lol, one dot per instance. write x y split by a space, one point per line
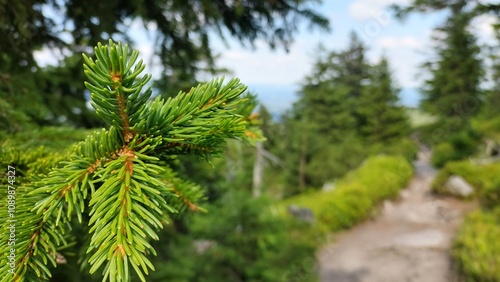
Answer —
346 130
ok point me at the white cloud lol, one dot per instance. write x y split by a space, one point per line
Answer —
370 9
265 66
391 42
406 54
405 67
482 26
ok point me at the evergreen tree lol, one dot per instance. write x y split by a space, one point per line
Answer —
66 103
270 160
239 239
180 32
251 244
328 117
475 8
453 90
116 183
182 28
294 153
384 118
329 98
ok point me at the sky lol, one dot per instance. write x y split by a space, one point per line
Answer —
275 75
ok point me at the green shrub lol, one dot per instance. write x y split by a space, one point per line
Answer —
443 152
355 196
402 147
484 178
457 147
487 127
490 193
351 206
465 143
11 118
334 161
477 247
245 243
419 118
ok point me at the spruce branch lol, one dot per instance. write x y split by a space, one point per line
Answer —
115 181
184 195
115 86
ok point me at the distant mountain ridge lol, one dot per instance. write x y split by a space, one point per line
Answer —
279 98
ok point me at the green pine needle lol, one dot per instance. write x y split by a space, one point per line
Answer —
115 181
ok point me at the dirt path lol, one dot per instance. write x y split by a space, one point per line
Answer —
408 242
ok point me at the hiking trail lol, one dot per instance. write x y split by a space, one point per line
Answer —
409 241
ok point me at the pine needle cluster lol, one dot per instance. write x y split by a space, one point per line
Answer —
116 182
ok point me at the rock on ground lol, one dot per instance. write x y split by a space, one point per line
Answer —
458 186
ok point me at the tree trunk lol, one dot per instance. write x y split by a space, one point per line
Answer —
258 170
303 164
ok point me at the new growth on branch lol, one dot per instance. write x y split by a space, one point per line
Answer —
116 183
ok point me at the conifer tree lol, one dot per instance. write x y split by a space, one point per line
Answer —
453 90
116 182
328 117
294 150
384 119
331 93
475 8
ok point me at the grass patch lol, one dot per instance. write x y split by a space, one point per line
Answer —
355 196
419 118
477 246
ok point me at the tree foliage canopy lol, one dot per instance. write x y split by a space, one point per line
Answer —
182 32
346 106
473 7
453 91
182 26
